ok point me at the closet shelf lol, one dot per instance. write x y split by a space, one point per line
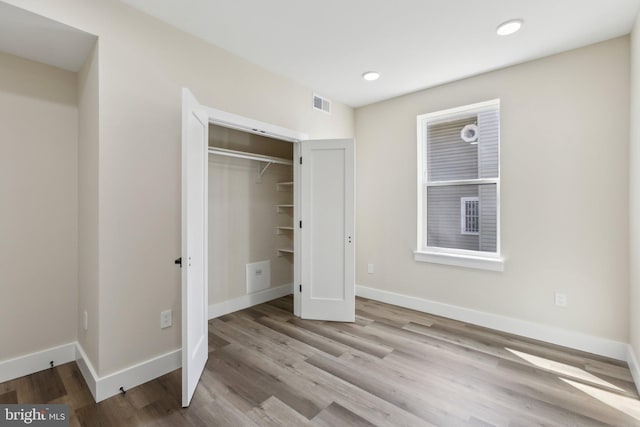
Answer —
279 230
283 251
266 161
279 208
284 186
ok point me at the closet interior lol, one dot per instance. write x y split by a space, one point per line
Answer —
251 213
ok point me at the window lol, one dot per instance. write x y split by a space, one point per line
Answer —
459 186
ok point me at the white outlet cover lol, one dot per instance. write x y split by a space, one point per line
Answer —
165 319
370 268
560 299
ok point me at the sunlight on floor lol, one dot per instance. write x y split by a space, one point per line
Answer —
624 404
563 369
627 405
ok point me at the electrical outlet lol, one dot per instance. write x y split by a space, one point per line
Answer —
85 321
165 319
370 268
560 299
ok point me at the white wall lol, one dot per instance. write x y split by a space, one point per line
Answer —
634 194
564 150
38 206
143 64
88 149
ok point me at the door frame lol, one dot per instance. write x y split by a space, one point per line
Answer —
245 124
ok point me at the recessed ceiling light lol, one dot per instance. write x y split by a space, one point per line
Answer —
509 27
371 76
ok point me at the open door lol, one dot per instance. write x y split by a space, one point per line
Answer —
327 243
195 141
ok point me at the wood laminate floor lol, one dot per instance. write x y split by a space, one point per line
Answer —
392 367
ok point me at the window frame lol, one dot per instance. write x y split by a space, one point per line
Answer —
457 257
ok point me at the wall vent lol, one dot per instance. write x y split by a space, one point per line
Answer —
322 104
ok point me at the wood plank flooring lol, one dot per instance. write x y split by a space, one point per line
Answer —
392 367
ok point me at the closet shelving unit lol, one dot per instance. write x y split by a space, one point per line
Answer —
265 162
288 229
284 186
281 208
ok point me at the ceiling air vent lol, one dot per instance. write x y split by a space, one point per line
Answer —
322 104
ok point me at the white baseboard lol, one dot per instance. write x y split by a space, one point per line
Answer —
109 385
634 367
103 387
34 362
246 301
576 340
86 369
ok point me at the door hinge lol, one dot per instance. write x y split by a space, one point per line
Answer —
178 262
300 223
300 159
300 288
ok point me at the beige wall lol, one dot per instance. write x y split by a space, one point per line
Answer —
38 208
88 149
242 213
564 148
242 225
143 64
634 193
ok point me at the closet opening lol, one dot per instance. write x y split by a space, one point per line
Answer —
265 201
251 216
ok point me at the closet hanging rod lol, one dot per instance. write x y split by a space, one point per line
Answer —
250 156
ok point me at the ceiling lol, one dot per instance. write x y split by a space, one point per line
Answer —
327 45
34 37
414 44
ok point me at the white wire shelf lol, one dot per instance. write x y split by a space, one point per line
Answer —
265 160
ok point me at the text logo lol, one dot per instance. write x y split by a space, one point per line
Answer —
34 415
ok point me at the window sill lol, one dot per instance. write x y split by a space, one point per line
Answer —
480 263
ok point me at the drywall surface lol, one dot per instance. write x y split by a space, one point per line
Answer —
88 149
564 193
38 208
243 220
634 194
143 65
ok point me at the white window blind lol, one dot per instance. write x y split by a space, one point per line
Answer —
460 180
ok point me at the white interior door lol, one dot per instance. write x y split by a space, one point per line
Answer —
195 140
327 231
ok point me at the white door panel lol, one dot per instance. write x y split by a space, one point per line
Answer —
195 137
327 235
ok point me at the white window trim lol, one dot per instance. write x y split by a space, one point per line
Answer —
489 262
456 257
